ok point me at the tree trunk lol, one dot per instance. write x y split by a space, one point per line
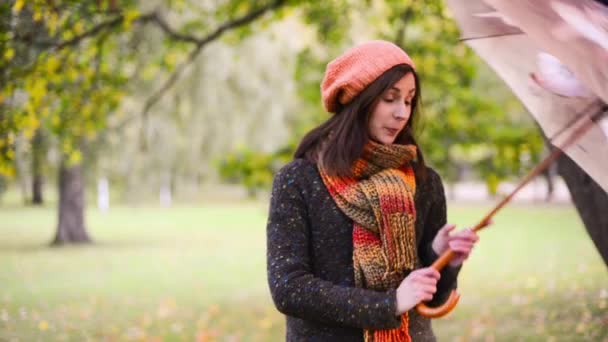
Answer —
37 189
590 200
37 164
71 227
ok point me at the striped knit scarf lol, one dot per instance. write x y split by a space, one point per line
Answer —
379 198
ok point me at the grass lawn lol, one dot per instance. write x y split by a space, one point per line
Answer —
199 271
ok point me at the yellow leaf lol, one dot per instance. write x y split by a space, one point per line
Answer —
18 6
52 23
55 120
67 35
7 170
38 90
72 74
75 157
43 325
149 72
78 27
171 59
52 64
9 54
37 15
129 17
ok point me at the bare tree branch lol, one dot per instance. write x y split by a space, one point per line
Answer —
95 30
158 20
171 32
200 43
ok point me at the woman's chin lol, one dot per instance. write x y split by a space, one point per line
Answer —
387 140
383 139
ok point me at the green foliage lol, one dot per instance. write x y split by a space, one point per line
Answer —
66 65
252 169
58 78
329 17
463 123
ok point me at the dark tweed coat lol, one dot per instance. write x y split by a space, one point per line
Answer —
310 265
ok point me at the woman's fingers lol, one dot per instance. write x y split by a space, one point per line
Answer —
426 280
424 296
466 233
461 246
446 229
426 292
428 272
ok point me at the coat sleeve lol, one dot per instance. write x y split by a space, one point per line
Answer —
294 288
436 219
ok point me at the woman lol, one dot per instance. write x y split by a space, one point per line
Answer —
356 218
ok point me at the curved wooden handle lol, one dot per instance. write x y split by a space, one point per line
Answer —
449 305
441 310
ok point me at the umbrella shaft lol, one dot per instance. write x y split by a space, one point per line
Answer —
588 122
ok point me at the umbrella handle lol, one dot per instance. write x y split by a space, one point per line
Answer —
449 305
440 311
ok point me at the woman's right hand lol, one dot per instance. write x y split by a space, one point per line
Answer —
419 286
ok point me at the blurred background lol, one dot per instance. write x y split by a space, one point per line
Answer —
138 141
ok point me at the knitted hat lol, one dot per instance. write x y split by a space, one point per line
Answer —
346 76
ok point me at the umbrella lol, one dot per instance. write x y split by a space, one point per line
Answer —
553 54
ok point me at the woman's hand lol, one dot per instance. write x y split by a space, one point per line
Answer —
418 286
461 243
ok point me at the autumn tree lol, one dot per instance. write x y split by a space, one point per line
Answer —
66 66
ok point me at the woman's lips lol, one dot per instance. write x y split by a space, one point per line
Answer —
392 131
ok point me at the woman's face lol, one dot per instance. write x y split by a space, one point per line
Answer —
393 110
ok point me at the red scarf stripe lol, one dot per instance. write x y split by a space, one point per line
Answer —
362 236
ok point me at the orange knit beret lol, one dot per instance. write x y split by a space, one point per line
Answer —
346 76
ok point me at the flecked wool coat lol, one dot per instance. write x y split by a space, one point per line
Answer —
310 260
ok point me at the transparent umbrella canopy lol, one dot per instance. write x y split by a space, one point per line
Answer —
553 54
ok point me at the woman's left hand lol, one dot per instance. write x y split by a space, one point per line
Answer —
461 242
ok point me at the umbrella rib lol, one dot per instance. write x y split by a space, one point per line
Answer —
466 39
577 134
575 118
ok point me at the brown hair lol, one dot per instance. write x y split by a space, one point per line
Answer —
349 127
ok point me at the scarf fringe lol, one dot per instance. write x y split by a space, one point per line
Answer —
400 334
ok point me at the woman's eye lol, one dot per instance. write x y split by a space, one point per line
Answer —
389 100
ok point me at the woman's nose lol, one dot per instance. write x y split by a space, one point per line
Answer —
400 113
